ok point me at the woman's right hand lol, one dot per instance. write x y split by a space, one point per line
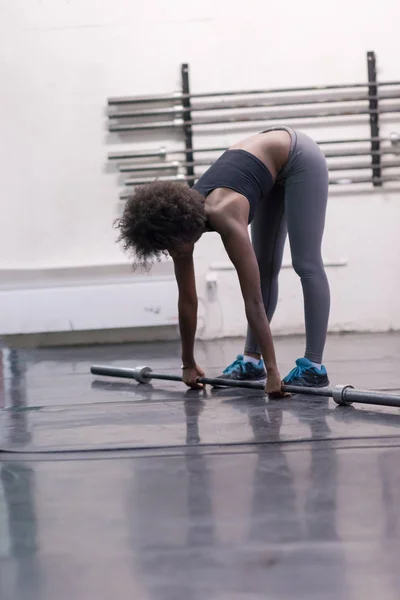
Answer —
274 386
190 375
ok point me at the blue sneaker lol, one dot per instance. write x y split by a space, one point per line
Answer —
240 370
306 375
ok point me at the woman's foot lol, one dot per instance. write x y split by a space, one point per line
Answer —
241 370
305 374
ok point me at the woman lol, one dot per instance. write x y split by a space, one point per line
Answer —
278 182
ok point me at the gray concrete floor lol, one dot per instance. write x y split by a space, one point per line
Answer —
113 490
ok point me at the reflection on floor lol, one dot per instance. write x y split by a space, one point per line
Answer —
110 489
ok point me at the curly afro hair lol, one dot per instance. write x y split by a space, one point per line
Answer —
159 216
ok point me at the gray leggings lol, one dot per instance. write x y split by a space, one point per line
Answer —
297 206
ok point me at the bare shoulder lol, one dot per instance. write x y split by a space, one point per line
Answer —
225 208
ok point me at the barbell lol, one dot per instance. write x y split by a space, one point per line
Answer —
179 95
341 394
162 152
251 118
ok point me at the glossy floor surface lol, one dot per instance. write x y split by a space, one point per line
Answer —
109 489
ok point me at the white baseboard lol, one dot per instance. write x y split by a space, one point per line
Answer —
83 303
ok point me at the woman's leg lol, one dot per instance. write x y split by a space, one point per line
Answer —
306 195
268 235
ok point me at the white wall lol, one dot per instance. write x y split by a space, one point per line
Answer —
61 59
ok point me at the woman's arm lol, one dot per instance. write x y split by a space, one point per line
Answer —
187 304
187 309
238 246
234 233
